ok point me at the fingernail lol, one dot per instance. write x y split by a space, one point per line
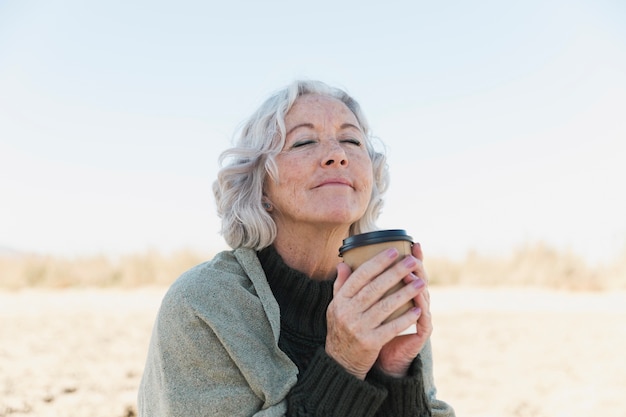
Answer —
416 310
410 261
392 252
418 283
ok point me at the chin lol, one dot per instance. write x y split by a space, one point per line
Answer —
340 210
341 216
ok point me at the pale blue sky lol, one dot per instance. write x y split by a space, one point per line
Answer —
504 123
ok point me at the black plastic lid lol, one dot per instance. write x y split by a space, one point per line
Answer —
372 238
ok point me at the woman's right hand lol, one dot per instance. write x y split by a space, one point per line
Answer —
356 333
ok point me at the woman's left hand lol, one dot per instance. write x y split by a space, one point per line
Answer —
396 356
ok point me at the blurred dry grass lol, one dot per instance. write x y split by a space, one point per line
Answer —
534 265
150 268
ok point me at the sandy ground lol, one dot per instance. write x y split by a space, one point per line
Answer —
498 353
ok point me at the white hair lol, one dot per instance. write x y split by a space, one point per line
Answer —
238 189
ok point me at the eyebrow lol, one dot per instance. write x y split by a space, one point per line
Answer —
308 125
312 126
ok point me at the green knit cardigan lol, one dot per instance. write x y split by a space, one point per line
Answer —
214 347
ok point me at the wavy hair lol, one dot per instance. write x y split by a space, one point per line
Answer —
238 189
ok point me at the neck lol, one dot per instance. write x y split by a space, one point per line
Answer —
314 252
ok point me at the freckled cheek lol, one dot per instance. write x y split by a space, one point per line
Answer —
292 177
295 170
366 174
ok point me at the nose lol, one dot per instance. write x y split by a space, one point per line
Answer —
335 155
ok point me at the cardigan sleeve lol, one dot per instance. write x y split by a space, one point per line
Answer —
327 389
438 408
213 352
406 396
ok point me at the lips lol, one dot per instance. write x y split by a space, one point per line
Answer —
334 181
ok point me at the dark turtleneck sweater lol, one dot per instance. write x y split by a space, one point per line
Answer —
324 388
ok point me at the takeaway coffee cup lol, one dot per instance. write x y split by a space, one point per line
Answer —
360 248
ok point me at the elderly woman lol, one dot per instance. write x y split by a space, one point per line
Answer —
279 326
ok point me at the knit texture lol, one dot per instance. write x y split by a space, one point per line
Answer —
404 394
324 388
214 351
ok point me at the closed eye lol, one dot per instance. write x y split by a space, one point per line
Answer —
302 143
352 141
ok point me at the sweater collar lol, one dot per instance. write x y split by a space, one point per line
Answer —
303 301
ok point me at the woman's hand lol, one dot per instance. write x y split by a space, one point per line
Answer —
356 337
396 356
